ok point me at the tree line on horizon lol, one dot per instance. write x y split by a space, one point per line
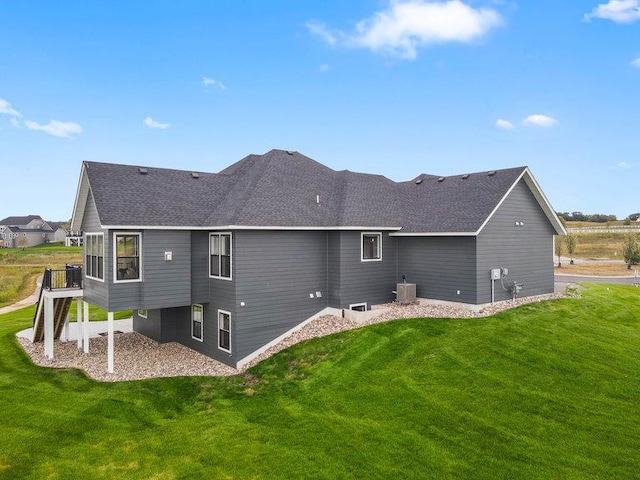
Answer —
595 217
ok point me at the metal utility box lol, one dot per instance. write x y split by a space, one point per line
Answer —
406 293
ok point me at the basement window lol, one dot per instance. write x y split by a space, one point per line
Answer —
371 247
224 331
197 321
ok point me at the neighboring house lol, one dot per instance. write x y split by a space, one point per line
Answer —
29 231
228 263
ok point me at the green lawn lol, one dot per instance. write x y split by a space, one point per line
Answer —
547 391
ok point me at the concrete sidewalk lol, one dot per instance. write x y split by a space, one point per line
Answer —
96 329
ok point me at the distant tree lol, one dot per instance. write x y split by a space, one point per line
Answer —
627 221
570 241
581 217
631 250
559 241
22 241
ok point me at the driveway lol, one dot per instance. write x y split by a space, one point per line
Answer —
561 280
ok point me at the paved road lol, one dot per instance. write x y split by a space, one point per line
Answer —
565 279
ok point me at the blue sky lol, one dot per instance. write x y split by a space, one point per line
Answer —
395 88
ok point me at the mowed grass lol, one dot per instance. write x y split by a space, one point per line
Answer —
19 268
549 390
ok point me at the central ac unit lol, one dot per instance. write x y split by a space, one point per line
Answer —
406 293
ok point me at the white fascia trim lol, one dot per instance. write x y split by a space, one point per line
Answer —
544 203
539 196
244 227
325 311
81 203
433 234
502 200
77 201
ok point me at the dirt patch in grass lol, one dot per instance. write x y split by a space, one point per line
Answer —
601 269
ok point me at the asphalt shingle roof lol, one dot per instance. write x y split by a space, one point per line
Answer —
19 220
288 189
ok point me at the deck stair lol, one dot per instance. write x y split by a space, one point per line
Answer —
68 279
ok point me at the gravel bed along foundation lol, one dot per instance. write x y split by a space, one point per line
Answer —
138 357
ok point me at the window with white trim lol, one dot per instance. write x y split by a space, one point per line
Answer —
197 322
94 255
220 255
126 251
371 246
224 331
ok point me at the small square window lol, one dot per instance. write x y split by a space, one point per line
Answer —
142 312
371 246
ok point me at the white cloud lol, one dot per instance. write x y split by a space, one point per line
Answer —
324 68
407 25
56 128
209 82
538 120
618 11
636 62
625 165
151 123
321 31
5 107
504 124
14 122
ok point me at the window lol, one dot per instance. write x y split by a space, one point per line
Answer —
358 307
142 312
224 331
220 254
197 319
94 255
371 246
127 257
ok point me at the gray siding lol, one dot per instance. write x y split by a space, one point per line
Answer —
527 251
276 273
357 281
122 296
166 283
150 326
213 294
95 291
439 266
200 267
333 269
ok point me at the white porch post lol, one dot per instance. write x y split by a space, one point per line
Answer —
64 336
110 342
48 327
79 320
85 327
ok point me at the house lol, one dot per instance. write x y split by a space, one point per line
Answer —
228 263
29 231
